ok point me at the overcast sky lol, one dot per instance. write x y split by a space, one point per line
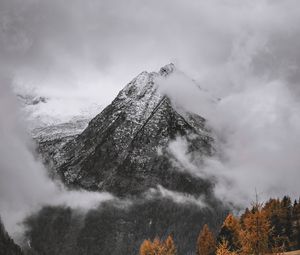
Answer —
83 47
245 52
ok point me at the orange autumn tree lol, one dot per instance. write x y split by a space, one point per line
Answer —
223 249
157 247
169 246
206 243
255 232
146 248
230 232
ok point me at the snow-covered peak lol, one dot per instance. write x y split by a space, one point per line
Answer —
137 100
136 87
167 69
144 83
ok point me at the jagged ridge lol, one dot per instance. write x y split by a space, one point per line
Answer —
118 151
125 150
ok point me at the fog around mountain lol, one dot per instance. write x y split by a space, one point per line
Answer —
237 66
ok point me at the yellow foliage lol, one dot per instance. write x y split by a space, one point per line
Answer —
169 246
158 248
254 235
232 225
223 249
147 248
206 243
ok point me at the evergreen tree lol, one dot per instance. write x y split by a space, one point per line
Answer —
157 247
273 208
243 216
229 232
146 248
297 235
223 249
255 232
287 221
206 243
169 246
296 224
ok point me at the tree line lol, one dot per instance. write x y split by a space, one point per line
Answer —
272 227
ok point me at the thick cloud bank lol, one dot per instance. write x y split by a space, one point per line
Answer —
24 184
257 137
93 48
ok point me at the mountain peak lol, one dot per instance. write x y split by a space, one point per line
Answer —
133 150
167 69
144 84
118 151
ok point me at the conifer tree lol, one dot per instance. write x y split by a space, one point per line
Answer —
157 247
243 216
169 246
287 220
255 232
273 208
146 248
223 248
297 235
206 244
229 232
296 224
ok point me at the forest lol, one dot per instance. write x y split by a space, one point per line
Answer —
272 227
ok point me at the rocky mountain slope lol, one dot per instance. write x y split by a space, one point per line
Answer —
126 150
45 118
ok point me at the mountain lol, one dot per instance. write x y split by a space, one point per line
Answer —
7 245
49 117
127 150
124 149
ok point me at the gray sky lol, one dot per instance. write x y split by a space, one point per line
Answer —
93 48
245 52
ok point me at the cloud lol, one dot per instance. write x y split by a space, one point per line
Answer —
102 44
256 136
24 184
243 54
88 51
176 197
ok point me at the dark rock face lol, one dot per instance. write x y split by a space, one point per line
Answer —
7 245
124 150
